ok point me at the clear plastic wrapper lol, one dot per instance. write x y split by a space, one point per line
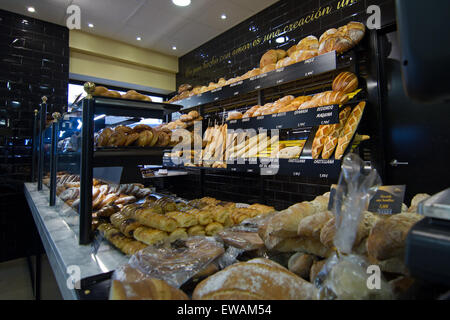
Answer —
175 263
347 276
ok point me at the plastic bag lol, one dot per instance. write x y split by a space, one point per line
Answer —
345 275
175 263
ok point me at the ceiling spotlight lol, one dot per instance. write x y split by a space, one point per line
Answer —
31 9
138 38
182 3
90 25
174 48
223 16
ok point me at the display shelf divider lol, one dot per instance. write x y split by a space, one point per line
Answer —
42 120
53 164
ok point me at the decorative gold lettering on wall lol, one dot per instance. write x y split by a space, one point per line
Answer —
316 14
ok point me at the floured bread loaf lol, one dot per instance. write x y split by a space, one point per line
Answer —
258 279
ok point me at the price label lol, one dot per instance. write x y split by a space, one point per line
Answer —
310 60
325 122
260 118
301 124
216 98
257 87
296 174
233 121
283 114
308 74
236 93
280 81
280 70
280 126
323 175
246 120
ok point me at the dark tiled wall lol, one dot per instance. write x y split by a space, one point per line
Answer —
34 61
277 16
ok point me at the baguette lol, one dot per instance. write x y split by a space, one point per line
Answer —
332 140
349 130
319 140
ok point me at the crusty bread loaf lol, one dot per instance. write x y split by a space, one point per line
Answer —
328 231
339 43
345 82
327 34
300 264
332 140
387 238
315 269
145 289
350 129
310 227
416 200
270 57
308 43
355 31
260 279
297 244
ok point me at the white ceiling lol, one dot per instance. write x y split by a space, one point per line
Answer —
160 23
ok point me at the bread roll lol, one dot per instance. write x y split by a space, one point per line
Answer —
355 31
99 91
346 82
179 233
292 50
111 94
310 227
270 57
308 43
281 54
300 264
234 116
268 68
196 231
258 279
213 228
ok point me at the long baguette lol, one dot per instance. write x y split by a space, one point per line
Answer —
350 129
319 140
333 139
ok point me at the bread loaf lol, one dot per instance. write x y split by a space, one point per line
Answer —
387 238
345 82
315 269
134 285
281 54
350 129
308 43
258 279
332 140
270 57
300 264
339 43
310 227
99 91
319 140
355 31
327 34
234 116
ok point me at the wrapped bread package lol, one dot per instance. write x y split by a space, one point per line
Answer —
345 274
179 261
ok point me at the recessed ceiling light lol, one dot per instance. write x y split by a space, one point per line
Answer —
223 16
174 48
182 3
90 25
138 38
31 9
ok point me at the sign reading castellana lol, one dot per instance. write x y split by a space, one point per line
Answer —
372 23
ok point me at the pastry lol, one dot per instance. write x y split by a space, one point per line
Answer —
145 138
149 236
131 139
103 138
141 127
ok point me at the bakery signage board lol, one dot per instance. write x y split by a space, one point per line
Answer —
304 69
289 120
388 199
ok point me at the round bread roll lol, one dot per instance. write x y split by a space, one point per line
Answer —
154 139
194 114
327 34
131 138
141 127
308 43
146 98
100 91
111 94
117 139
269 57
163 139
355 31
145 138
186 118
345 82
268 68
184 87
234 116
103 138
291 50
300 264
338 43
281 54
123 129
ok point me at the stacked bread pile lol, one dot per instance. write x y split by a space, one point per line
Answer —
158 221
131 95
186 121
339 40
140 135
215 140
309 229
